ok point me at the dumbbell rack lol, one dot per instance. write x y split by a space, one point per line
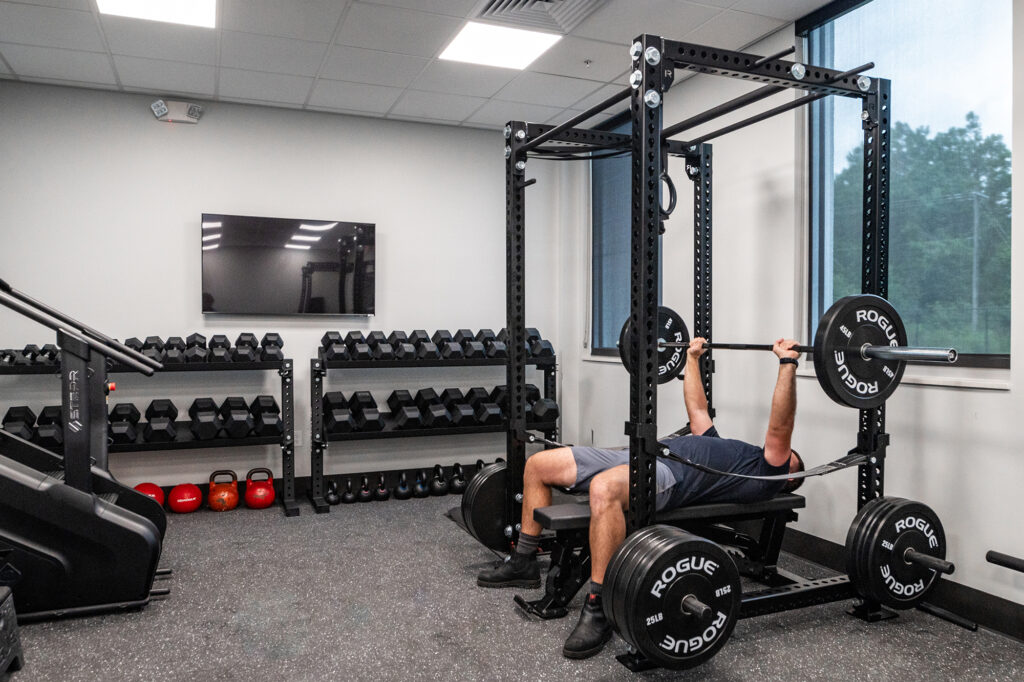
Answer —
319 441
185 440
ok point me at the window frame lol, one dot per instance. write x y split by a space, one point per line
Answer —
818 131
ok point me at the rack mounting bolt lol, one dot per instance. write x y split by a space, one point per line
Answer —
635 79
652 55
520 135
864 115
520 165
635 49
519 497
508 152
508 131
798 71
519 527
508 531
864 83
652 98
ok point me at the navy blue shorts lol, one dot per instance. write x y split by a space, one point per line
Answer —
592 461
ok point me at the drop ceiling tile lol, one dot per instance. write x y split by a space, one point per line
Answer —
49 27
454 8
271 54
596 97
397 30
66 4
263 103
72 83
266 87
303 19
541 88
459 78
361 97
356 65
436 105
497 112
165 77
29 61
569 55
621 21
592 122
732 30
423 119
791 10
157 40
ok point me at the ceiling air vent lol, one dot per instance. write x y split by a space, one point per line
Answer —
560 16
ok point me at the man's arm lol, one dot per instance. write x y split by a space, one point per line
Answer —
693 390
780 423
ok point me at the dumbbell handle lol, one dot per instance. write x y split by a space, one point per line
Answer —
695 607
902 353
928 561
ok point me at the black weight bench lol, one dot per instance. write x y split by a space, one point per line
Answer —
753 531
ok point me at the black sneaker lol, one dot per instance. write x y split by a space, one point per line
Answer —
591 633
515 571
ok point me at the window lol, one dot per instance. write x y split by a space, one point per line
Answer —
610 187
610 244
949 217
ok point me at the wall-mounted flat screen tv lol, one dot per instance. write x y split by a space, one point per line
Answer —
284 266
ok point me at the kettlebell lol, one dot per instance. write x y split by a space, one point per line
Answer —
480 465
152 490
382 493
332 497
420 488
348 497
402 490
223 496
457 483
185 498
438 485
259 494
365 494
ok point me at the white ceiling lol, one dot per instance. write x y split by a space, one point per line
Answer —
366 57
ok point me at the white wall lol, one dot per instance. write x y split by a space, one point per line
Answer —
99 215
956 449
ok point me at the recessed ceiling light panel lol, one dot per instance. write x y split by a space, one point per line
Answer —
189 12
490 45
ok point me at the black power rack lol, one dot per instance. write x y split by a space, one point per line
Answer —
320 440
185 439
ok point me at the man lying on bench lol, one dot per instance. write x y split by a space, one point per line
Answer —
605 474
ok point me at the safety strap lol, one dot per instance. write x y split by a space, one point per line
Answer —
852 459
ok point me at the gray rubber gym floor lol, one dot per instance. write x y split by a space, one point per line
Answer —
386 590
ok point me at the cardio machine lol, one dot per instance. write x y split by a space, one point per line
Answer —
73 540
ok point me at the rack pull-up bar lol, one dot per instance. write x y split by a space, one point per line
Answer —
799 102
721 109
541 139
778 55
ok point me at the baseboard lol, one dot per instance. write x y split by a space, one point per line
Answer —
988 611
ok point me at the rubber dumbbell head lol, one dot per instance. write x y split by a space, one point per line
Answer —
396 337
544 410
162 407
360 352
461 336
267 416
354 337
542 349
375 337
426 396
47 355
331 338
428 350
197 354
406 417
175 342
435 416
160 426
452 396
337 416
485 335
237 420
383 351
477 395
247 339
219 354
496 349
20 421
404 351
244 353
272 339
488 413
220 341
271 353
532 334
462 415
125 412
31 351
153 342
134 343
336 352
195 340
205 423
418 336
440 336
124 419
474 350
49 429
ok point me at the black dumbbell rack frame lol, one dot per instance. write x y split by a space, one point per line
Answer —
185 440
319 439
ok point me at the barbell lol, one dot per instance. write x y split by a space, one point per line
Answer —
860 349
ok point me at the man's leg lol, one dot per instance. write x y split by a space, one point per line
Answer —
609 497
543 470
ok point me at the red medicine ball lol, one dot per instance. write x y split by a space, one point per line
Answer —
152 490
185 498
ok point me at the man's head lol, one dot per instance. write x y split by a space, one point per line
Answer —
796 463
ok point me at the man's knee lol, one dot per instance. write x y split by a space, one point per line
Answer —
607 491
551 467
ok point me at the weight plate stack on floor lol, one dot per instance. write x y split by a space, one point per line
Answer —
883 537
673 596
483 507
